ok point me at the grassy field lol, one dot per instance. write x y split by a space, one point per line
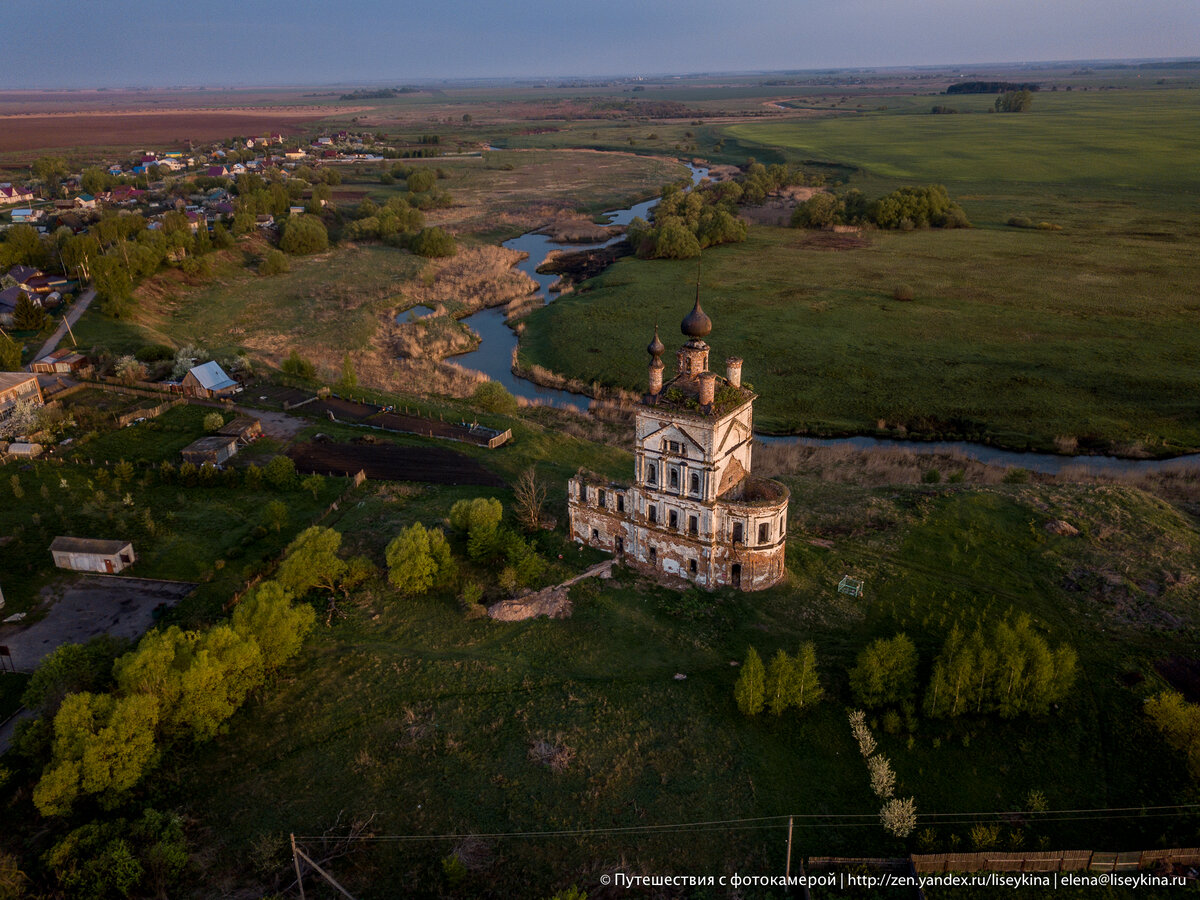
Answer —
324 306
411 712
1018 336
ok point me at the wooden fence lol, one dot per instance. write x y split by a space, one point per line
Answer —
1022 861
149 412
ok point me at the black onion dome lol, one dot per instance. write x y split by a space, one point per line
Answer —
696 324
656 346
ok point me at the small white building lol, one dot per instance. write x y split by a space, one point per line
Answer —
89 555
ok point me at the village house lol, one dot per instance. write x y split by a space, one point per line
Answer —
25 216
694 511
61 362
212 450
17 386
88 555
208 381
12 193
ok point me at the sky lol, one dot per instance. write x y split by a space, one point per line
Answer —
118 43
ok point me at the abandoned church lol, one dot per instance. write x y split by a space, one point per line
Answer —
694 511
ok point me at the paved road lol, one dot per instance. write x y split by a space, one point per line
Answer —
81 304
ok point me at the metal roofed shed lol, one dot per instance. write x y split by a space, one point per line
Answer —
90 555
214 449
208 380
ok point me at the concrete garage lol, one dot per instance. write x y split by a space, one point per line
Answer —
88 555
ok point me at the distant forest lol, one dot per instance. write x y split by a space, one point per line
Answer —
991 87
381 94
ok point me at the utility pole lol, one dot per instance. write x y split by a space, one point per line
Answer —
296 861
788 871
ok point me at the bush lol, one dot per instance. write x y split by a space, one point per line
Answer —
303 235
1020 222
154 353
274 263
421 180
213 422
904 293
493 397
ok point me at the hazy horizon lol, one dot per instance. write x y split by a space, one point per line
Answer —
134 43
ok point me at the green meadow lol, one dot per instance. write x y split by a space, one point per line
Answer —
1018 336
410 711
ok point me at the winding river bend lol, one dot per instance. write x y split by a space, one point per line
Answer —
493 357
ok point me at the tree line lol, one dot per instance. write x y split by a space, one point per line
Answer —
904 209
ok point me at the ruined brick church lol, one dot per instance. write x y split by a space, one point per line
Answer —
694 511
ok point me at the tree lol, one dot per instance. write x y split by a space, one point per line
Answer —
276 513
349 379
28 315
50 171
311 560
70 669
1179 723
280 472
779 683
21 420
303 235
22 246
268 615
102 747
313 483
10 354
298 367
750 690
886 672
899 817
411 566
129 370
213 422
808 690
224 668
433 242
675 241
1014 101
530 496
821 210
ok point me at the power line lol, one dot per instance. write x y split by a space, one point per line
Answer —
804 820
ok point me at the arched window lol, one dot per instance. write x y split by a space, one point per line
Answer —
737 532
652 513
764 532
695 483
652 474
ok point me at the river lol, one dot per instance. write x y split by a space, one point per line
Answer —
493 357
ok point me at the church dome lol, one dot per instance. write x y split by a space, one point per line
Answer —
696 324
656 346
